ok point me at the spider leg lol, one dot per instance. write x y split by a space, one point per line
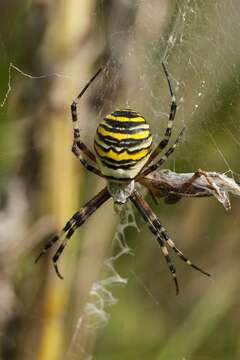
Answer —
162 160
77 152
146 213
173 109
75 222
76 128
159 230
58 235
172 245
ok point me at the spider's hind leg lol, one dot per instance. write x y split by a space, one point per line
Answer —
158 230
144 210
53 239
179 253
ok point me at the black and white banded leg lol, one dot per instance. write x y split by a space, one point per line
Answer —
85 163
172 245
75 122
158 230
173 109
164 158
74 223
144 211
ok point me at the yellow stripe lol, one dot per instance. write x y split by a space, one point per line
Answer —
119 136
126 119
123 156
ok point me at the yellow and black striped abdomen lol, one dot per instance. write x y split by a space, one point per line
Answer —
122 144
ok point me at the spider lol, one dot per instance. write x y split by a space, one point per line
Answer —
124 156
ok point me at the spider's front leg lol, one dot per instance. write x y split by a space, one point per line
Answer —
76 128
168 132
74 223
158 230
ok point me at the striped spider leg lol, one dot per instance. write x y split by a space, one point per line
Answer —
78 146
163 143
173 109
161 235
145 171
74 223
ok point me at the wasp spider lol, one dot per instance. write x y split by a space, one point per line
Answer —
123 156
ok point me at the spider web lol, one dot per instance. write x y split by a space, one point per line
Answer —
201 50
195 27
101 297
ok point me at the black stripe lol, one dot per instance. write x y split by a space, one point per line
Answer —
115 167
168 132
122 179
126 113
108 140
122 131
155 222
123 124
107 160
122 150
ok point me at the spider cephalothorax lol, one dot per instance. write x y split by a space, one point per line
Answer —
124 156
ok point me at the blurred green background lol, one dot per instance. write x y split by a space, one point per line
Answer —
95 313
